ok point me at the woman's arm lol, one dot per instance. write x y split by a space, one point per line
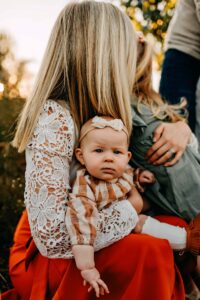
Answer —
48 156
170 141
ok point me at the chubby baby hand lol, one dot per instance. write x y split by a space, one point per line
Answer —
141 178
92 277
146 176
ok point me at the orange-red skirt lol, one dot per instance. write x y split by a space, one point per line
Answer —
138 267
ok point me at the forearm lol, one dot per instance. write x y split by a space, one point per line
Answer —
52 192
84 256
185 130
48 154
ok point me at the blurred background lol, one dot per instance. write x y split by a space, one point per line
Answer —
24 30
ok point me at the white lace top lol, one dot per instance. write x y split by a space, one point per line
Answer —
48 157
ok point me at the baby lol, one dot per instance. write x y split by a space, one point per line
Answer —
106 177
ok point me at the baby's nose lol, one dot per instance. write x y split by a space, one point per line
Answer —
109 157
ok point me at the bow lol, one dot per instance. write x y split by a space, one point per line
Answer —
99 122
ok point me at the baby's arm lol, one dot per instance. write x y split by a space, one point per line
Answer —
84 258
141 178
81 218
136 200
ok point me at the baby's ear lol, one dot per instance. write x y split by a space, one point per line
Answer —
79 155
129 155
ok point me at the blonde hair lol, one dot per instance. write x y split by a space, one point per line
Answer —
143 89
90 62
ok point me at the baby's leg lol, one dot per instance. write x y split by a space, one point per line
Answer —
177 236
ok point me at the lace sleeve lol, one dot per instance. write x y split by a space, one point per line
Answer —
48 156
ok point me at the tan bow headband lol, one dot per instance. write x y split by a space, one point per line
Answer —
100 123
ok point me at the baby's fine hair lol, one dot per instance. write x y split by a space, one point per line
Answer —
90 62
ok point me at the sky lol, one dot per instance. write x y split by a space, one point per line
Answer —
28 23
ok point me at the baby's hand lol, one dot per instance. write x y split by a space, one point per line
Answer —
141 178
92 277
146 176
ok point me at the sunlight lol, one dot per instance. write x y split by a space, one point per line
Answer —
1 87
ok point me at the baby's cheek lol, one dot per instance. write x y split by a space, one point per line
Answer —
122 167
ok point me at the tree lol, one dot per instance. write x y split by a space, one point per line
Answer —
151 17
12 164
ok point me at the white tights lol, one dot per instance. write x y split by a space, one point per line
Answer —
174 234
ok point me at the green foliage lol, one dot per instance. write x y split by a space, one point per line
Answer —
12 164
152 17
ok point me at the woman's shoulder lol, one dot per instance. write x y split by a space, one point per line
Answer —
55 129
54 112
142 115
56 107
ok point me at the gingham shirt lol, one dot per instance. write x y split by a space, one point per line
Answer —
88 196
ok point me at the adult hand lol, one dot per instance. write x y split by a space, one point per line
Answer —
92 277
170 141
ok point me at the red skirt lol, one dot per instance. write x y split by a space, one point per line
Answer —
138 267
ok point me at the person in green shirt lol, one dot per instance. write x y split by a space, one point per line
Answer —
177 187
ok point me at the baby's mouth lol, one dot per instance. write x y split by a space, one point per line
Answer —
108 170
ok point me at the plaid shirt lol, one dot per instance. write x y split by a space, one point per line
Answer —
89 195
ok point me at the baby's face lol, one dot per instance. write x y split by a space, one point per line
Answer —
104 153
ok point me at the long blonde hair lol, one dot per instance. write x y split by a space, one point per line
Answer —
143 89
90 62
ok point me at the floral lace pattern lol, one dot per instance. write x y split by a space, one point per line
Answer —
48 156
114 223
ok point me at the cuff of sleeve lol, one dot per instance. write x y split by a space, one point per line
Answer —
83 241
193 143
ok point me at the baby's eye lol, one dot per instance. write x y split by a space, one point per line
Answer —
98 150
117 152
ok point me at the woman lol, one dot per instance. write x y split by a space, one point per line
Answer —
177 187
77 69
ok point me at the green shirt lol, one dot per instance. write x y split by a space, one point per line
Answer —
177 188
